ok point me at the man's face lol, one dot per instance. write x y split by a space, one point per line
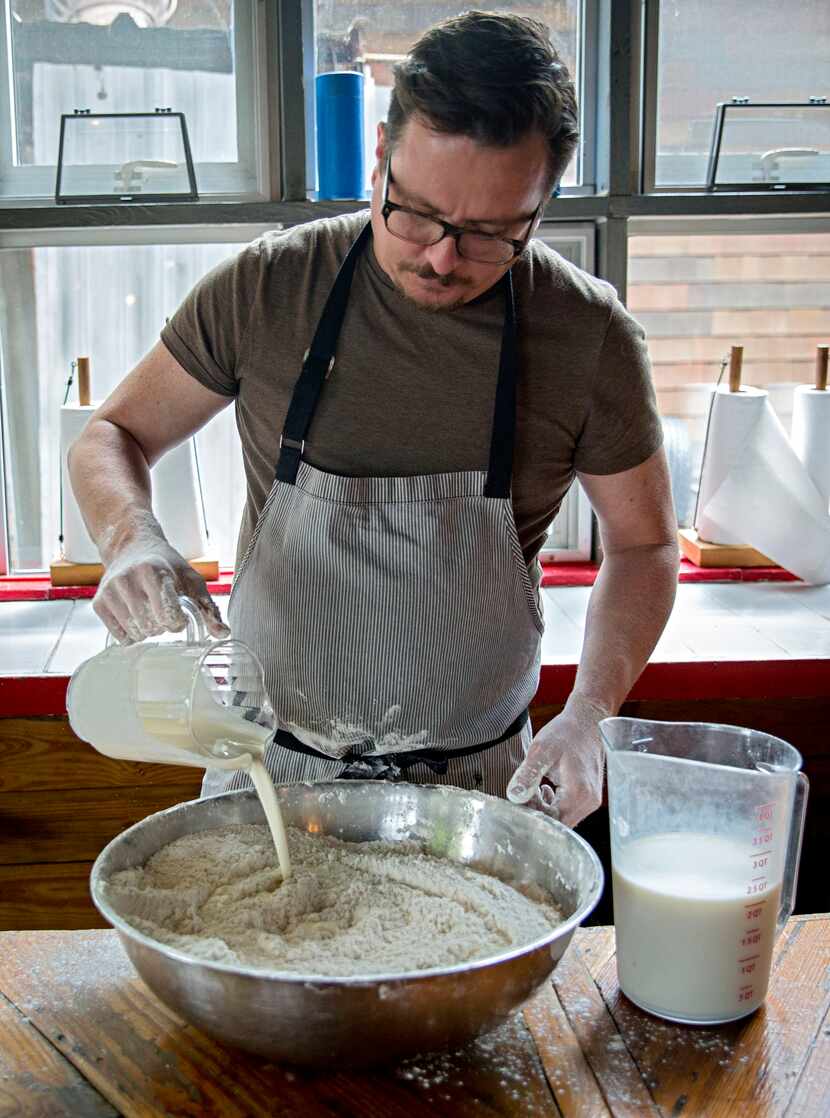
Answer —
483 189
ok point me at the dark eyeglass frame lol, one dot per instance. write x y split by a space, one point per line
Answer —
454 231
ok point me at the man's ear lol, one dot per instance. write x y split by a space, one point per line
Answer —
380 151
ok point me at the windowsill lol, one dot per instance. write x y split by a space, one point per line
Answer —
38 588
45 214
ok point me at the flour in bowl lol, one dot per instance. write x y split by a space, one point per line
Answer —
347 909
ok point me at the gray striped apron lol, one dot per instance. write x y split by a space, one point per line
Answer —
395 617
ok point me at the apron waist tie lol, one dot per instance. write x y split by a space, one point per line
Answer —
394 766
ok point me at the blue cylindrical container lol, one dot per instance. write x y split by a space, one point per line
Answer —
340 172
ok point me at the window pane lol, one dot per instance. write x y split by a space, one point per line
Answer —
712 51
698 296
372 35
108 303
113 56
772 146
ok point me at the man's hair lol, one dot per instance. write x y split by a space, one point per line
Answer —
494 77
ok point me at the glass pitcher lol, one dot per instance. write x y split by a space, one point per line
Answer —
192 702
706 829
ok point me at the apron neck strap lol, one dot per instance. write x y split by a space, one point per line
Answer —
317 364
319 360
500 467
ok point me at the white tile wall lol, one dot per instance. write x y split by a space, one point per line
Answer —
83 636
29 632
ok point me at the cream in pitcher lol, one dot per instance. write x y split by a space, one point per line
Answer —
706 825
195 702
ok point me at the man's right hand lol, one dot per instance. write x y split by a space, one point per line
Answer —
139 594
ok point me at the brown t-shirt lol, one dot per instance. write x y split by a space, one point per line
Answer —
412 391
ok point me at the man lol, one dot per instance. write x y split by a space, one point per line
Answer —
409 432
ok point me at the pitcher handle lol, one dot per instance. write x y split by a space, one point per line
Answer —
196 632
196 629
790 879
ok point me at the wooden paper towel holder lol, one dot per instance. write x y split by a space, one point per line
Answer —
703 553
63 572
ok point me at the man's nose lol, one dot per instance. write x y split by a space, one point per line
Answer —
443 256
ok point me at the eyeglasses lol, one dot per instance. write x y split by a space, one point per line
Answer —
421 229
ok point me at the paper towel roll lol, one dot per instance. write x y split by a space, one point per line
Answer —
732 421
176 501
77 545
811 435
759 493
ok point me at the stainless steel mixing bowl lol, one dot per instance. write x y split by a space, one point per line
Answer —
358 1021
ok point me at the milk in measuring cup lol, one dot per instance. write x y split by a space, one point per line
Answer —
694 938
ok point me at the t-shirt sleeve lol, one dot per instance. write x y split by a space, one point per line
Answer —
207 332
622 426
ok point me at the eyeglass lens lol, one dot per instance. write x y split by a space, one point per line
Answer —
422 230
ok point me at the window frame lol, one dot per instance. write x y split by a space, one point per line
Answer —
575 511
4 504
248 178
587 19
649 47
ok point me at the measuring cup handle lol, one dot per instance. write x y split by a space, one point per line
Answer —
790 879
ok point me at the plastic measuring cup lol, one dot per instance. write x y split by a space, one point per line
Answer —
193 702
706 829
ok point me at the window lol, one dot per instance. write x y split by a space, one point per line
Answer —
696 296
373 35
110 302
243 73
130 56
710 51
569 538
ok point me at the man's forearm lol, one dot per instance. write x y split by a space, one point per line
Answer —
628 610
111 481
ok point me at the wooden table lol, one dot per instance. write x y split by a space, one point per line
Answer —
81 1035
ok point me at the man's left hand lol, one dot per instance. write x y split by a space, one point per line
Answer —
568 754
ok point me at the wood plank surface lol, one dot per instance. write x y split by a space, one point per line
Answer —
47 896
63 827
748 1069
596 1030
588 1052
569 1075
810 1094
35 1080
80 991
43 754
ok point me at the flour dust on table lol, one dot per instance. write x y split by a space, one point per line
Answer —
366 908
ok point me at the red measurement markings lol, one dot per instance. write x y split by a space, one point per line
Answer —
753 911
762 839
745 993
748 964
763 813
752 938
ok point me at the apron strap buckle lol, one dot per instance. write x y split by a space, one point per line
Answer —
294 444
